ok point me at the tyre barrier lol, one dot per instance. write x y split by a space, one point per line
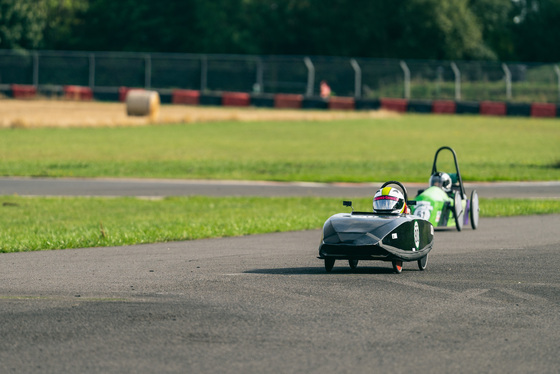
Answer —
316 102
77 93
142 103
236 99
23 91
291 101
444 106
368 104
467 107
210 99
341 103
262 100
288 101
493 108
518 109
419 106
543 110
395 105
165 97
186 97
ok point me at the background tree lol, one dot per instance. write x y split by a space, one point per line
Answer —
495 18
22 23
432 29
63 17
536 30
440 29
525 30
177 26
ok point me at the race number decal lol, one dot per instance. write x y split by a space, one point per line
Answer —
423 210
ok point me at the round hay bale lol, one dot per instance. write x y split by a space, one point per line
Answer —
142 103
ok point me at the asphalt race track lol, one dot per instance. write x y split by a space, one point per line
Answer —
159 188
489 301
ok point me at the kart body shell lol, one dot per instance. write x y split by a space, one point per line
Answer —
436 206
358 236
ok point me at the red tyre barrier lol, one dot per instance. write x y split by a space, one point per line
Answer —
78 93
71 92
188 97
21 91
543 110
444 106
86 93
236 99
395 105
342 103
288 101
493 108
122 93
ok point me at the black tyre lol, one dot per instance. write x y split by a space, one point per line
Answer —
397 266
473 214
423 262
353 264
458 212
329 264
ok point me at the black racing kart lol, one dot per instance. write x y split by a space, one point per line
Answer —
395 238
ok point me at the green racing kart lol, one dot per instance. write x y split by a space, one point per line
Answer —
445 202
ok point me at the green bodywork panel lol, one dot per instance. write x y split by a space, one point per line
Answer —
434 205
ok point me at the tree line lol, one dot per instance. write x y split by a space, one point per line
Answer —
506 30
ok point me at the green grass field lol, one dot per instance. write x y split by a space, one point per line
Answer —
33 223
402 148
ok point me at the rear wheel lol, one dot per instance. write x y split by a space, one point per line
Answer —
397 266
474 210
353 264
329 264
458 212
423 262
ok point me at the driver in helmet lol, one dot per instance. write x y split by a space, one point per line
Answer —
390 200
442 180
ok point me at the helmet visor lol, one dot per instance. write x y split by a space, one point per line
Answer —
385 202
435 181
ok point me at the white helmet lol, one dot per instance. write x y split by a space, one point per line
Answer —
442 180
389 200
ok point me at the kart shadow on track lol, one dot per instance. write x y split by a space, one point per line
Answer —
321 270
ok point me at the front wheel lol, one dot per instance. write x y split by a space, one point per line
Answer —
397 266
353 264
423 262
329 264
474 210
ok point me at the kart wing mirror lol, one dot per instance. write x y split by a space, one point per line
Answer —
348 203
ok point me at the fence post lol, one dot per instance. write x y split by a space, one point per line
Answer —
439 80
203 72
557 71
357 78
508 80
260 73
92 70
310 75
406 71
36 69
148 71
457 74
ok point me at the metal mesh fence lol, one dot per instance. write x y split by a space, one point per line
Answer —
360 77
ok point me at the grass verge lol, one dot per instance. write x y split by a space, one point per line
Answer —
352 150
38 223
